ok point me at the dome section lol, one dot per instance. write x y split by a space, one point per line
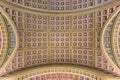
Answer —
50 38
110 37
37 37
7 38
58 5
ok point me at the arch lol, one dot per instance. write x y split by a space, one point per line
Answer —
93 8
3 40
115 40
112 20
89 73
7 19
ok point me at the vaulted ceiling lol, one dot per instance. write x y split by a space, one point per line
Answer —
59 39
